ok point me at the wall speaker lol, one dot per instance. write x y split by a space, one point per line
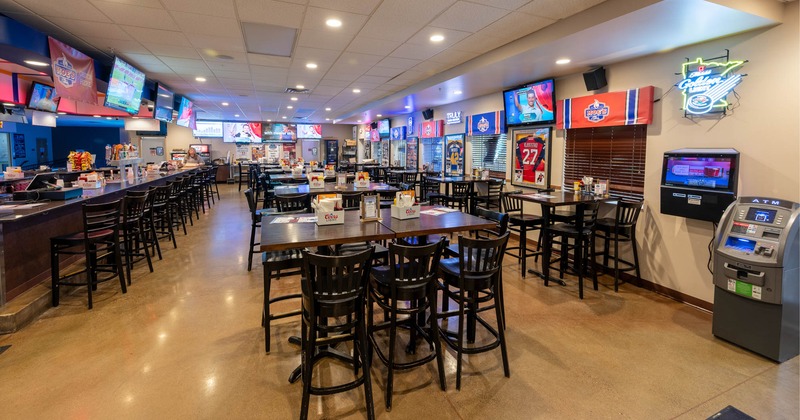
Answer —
427 114
374 126
595 79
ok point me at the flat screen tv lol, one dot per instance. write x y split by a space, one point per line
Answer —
707 169
201 148
186 115
309 131
530 104
125 87
280 132
208 129
383 127
165 104
42 98
235 132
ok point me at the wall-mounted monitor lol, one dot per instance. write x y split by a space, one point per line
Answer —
208 129
165 103
530 104
41 97
706 169
234 132
125 87
384 127
280 132
309 131
186 116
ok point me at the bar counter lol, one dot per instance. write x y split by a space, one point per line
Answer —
25 233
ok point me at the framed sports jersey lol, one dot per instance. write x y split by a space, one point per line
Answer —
532 157
454 155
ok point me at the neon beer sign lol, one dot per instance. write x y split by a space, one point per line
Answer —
706 85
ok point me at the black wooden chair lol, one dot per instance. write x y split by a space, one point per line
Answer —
430 191
244 175
621 228
521 224
582 245
492 199
133 232
459 196
293 202
351 200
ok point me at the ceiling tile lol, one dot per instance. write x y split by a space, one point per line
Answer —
363 7
216 66
117 45
366 45
451 37
173 51
469 17
503 4
236 83
220 8
453 57
217 42
269 60
333 83
157 36
153 68
323 39
145 17
182 62
269 73
515 26
398 63
383 71
557 9
232 75
315 54
211 55
141 59
193 23
388 29
83 28
363 61
416 52
326 90
271 12
72 9
478 43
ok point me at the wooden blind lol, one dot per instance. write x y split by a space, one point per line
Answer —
613 153
489 152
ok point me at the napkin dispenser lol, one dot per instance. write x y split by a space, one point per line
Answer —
297 171
330 171
404 206
362 180
316 180
328 208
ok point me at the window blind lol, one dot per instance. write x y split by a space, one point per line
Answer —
489 152
613 153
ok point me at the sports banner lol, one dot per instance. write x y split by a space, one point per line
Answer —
431 129
486 124
398 133
629 107
73 73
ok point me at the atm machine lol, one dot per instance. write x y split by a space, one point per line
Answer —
756 293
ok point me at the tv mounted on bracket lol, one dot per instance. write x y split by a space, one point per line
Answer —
124 87
41 97
530 104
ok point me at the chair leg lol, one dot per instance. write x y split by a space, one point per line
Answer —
616 262
390 367
252 244
267 314
437 343
523 248
307 366
460 338
501 327
54 274
128 255
143 238
636 257
362 342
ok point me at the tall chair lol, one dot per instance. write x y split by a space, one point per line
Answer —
475 277
582 245
133 232
98 242
521 224
459 196
334 297
622 228
163 215
431 191
492 199
406 287
212 182
244 176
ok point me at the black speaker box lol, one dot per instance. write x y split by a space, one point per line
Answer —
595 79
427 114
374 125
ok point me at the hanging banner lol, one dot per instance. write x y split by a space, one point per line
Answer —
273 152
243 152
486 124
431 129
73 73
454 154
629 107
398 133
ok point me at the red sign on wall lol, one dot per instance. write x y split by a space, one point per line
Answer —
431 129
634 106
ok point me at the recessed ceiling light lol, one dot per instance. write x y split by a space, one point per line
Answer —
300 87
293 98
457 92
200 79
311 65
380 115
96 116
224 104
563 61
359 120
356 90
284 117
333 23
268 120
437 38
289 107
327 109
236 115
37 63
327 119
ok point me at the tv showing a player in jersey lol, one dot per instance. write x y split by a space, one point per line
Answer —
531 158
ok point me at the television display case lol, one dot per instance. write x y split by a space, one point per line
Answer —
699 183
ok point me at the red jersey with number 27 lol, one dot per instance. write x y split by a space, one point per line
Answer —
530 154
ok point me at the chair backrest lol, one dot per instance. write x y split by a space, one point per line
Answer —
251 202
403 186
495 187
413 266
175 187
212 173
511 204
461 189
351 200
481 259
628 213
590 214
429 186
101 220
134 205
500 218
161 194
410 178
335 281
291 202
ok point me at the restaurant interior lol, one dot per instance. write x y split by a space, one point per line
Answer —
390 208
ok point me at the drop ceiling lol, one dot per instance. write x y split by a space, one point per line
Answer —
382 48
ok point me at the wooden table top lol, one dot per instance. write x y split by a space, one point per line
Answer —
330 188
465 178
428 224
561 198
284 236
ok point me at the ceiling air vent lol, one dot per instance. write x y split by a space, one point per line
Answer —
293 90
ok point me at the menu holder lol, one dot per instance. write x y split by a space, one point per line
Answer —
370 208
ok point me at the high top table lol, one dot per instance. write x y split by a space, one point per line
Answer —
447 180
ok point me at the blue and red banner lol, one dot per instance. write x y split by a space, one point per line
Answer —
73 73
398 133
629 107
486 124
431 129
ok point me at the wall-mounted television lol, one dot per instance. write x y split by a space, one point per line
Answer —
530 104
309 131
384 127
235 132
42 98
280 132
210 129
165 103
125 87
186 116
707 169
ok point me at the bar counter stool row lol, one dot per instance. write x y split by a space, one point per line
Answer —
116 235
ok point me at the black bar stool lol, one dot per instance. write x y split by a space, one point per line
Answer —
622 228
521 223
459 196
133 232
582 235
99 241
492 199
244 176
163 215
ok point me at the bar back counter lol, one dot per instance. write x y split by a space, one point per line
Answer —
25 238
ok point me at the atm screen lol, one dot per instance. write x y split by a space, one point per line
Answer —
761 215
740 244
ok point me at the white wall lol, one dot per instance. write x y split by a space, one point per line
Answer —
764 129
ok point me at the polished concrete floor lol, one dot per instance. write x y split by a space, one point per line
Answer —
186 342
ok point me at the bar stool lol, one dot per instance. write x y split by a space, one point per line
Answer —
212 179
407 287
622 228
334 298
492 199
177 204
521 223
98 241
582 246
163 214
133 232
475 275
431 191
244 176
459 196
